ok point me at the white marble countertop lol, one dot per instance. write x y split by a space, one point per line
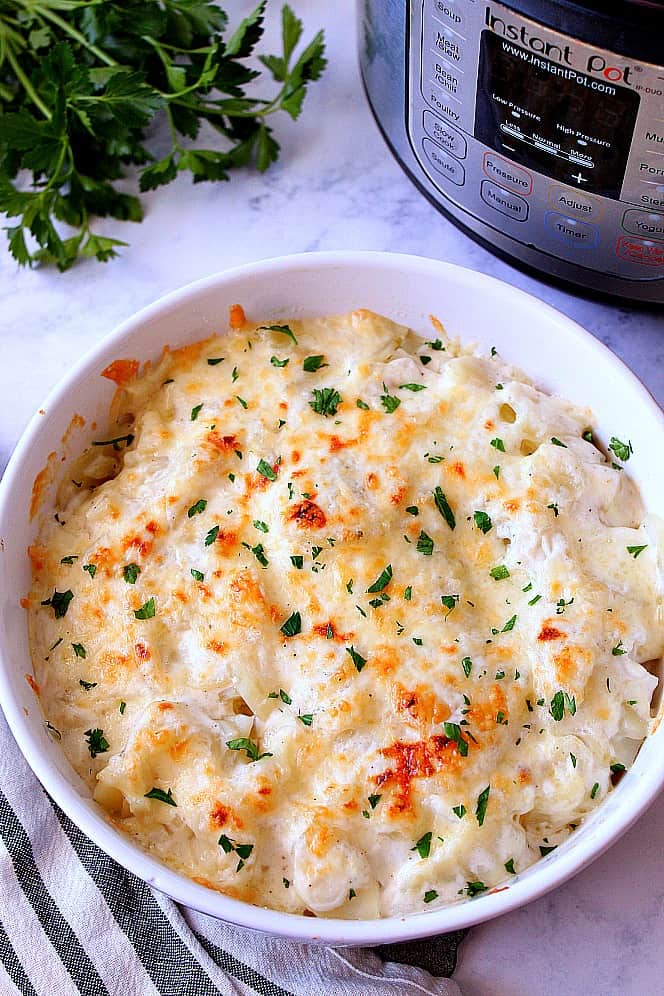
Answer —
337 187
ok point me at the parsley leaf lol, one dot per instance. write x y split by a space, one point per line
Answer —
412 387
358 660
498 444
197 575
467 665
281 329
381 581
97 742
499 573
482 801
389 401
161 796
277 362
247 745
443 507
293 625
557 442
425 544
313 363
59 602
622 450
265 470
211 536
130 573
197 508
423 846
482 521
430 895
80 651
636 550
194 412
146 611
326 400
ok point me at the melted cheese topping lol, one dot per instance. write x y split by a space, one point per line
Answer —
361 609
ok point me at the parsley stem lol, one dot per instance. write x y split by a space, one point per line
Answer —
26 84
49 15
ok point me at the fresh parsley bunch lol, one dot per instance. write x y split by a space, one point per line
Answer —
81 82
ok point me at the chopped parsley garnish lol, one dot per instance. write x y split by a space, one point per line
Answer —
68 560
293 625
482 800
509 866
241 401
474 888
362 404
466 664
326 401
430 895
496 471
358 660
197 508
80 651
265 470
91 569
498 444
453 732
259 553
374 800
52 730
261 526
622 450
408 593
557 442
161 796
197 575
412 387
59 602
509 625
282 329
618 651
194 412
123 706
557 707
450 602
535 600
243 851
351 894
425 544
277 362
482 521
617 768
424 360
443 507
434 459
588 436
130 573
499 573
459 810
436 345
306 719
87 685
423 846
547 850
381 581
561 605
316 552
211 536
412 510
214 360
572 758
247 745
313 363
146 611
636 550
285 697
97 742
115 443
297 561
594 790
389 402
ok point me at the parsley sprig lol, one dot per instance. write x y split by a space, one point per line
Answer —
81 86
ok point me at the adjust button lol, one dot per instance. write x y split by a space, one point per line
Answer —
649 224
443 163
507 174
570 230
447 136
569 201
509 204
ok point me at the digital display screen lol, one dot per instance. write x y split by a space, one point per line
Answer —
553 118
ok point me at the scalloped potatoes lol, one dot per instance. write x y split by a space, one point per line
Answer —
335 619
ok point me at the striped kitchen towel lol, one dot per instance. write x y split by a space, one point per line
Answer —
73 921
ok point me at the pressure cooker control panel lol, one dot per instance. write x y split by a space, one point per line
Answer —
546 139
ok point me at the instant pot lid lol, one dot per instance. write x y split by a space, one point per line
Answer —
629 27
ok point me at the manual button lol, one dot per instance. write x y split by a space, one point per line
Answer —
507 174
571 230
509 204
445 135
443 163
649 224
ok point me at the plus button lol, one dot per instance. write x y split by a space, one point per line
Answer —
579 178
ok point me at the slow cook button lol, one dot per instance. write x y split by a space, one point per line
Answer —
509 204
571 230
507 174
444 163
649 224
570 202
445 135
641 251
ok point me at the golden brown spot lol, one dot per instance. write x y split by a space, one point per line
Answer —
283 405
121 371
76 422
153 527
165 706
569 662
456 468
421 703
550 633
489 424
223 444
217 646
42 483
352 806
142 652
33 684
319 838
482 714
340 444
329 631
179 748
523 776
371 481
226 539
307 515
24 603
512 505
385 660
37 555
420 759
295 456
236 316
265 790
397 497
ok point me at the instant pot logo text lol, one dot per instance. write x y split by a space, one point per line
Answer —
596 64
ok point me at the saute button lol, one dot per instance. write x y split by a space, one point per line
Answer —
570 230
443 163
509 204
445 135
507 174
641 251
649 224
569 201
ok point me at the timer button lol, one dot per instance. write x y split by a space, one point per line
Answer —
571 230
445 135
642 251
443 163
649 224
507 174
504 201
569 201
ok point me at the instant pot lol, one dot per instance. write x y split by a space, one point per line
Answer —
536 125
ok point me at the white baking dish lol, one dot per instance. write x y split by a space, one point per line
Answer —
558 354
